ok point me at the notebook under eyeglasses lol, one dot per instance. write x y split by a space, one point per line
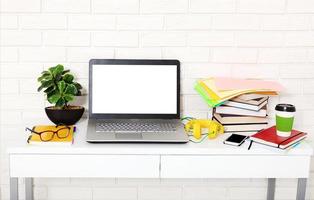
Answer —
50 135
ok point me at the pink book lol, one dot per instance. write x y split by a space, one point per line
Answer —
223 83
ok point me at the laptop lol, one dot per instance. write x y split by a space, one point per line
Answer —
134 101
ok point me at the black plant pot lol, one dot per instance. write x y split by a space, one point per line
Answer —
64 116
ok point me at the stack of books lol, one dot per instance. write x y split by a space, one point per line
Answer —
240 105
245 113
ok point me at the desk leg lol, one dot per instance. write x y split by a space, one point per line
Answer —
14 185
301 189
271 189
29 189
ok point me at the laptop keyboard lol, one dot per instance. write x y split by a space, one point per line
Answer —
135 127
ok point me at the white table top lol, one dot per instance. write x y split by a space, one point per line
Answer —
207 147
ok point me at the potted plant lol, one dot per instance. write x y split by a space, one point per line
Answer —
60 89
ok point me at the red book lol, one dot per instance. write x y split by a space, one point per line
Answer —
269 137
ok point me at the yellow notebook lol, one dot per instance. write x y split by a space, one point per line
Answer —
65 134
211 89
214 93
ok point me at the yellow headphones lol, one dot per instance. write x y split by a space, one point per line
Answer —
196 126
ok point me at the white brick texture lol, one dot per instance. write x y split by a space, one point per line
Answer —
188 22
8 22
234 55
138 53
115 38
42 54
302 39
143 22
236 22
67 6
20 6
92 22
213 6
20 38
80 54
211 38
300 6
190 54
267 39
164 6
285 22
259 39
66 38
8 54
115 6
43 21
265 6
160 39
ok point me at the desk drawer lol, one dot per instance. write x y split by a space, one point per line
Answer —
124 166
225 166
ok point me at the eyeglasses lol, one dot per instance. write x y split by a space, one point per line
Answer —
48 135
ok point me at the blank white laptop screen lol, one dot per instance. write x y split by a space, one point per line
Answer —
134 89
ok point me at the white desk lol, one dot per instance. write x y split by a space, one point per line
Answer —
210 159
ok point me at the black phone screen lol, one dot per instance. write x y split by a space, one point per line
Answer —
236 138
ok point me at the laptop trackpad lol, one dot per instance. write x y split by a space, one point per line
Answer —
128 136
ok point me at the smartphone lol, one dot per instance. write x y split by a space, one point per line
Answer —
235 139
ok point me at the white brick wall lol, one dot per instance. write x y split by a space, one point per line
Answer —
91 22
14 6
66 38
162 38
236 22
20 38
115 39
43 21
269 39
129 22
188 22
266 6
116 6
214 6
67 6
163 6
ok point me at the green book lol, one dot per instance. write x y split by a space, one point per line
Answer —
202 92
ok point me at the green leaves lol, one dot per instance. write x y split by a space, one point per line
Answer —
49 89
45 79
78 86
59 86
46 76
68 97
68 78
54 98
45 84
61 102
56 70
71 89
65 71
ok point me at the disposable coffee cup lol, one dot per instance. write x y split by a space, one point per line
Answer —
284 119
